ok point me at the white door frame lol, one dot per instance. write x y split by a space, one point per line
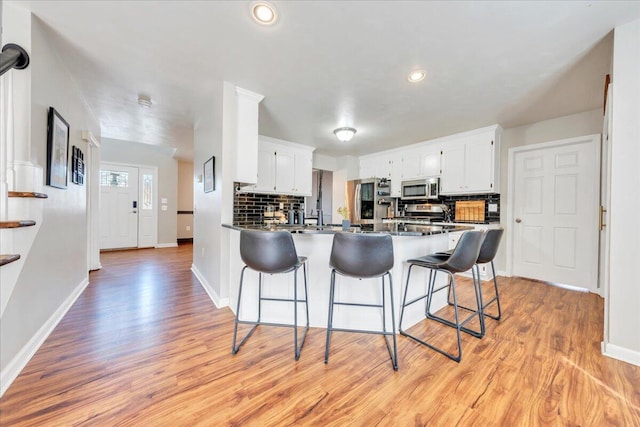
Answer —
155 195
511 185
93 200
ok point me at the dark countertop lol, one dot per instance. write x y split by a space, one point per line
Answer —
393 229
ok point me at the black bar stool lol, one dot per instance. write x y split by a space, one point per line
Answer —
271 253
462 259
488 252
363 256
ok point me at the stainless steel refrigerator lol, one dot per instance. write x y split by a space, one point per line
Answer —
368 200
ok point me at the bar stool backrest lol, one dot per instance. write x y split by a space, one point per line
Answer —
361 255
268 251
490 245
466 252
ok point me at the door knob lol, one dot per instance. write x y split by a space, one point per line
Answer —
518 220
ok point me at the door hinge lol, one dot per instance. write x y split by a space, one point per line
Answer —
491 142
441 152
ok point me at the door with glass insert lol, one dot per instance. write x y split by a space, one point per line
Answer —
119 206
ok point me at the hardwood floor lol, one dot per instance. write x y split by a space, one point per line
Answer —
144 345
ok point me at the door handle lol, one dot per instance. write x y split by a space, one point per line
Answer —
518 220
602 225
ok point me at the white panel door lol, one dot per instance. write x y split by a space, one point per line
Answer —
555 211
118 207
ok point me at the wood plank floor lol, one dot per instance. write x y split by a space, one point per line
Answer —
144 345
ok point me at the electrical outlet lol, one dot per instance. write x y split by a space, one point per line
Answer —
493 207
281 205
188 228
203 252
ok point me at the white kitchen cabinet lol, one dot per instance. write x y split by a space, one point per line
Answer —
247 156
266 169
303 165
283 168
396 175
430 163
420 163
411 165
374 167
471 164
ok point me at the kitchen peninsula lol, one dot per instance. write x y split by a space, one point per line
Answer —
409 241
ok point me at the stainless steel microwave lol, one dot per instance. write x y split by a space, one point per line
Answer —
420 189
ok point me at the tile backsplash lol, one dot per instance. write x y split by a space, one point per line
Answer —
249 208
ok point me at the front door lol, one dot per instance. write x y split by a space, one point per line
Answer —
118 206
555 211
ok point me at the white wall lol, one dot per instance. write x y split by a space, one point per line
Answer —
622 339
132 153
207 220
56 267
186 179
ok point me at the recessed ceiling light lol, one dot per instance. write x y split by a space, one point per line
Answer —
264 13
417 76
144 101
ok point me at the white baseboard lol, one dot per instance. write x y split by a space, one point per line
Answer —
166 245
217 301
17 364
502 273
621 353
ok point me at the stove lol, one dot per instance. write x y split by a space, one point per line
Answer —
423 213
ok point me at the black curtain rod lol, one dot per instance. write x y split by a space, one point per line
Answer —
13 56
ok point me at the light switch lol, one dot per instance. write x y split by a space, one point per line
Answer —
163 208
164 200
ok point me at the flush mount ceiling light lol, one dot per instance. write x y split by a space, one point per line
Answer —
144 101
345 134
264 13
417 76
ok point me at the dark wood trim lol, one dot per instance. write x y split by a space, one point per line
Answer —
6 259
185 212
30 194
17 224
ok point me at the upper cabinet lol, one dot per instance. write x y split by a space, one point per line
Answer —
467 163
246 170
283 168
420 162
471 163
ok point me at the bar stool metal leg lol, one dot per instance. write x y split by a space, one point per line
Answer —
496 298
234 348
394 354
332 287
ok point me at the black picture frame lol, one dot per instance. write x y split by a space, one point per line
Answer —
57 150
77 166
210 175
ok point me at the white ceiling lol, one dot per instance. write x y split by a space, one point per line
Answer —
340 63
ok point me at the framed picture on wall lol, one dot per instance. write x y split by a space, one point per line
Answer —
57 150
209 175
